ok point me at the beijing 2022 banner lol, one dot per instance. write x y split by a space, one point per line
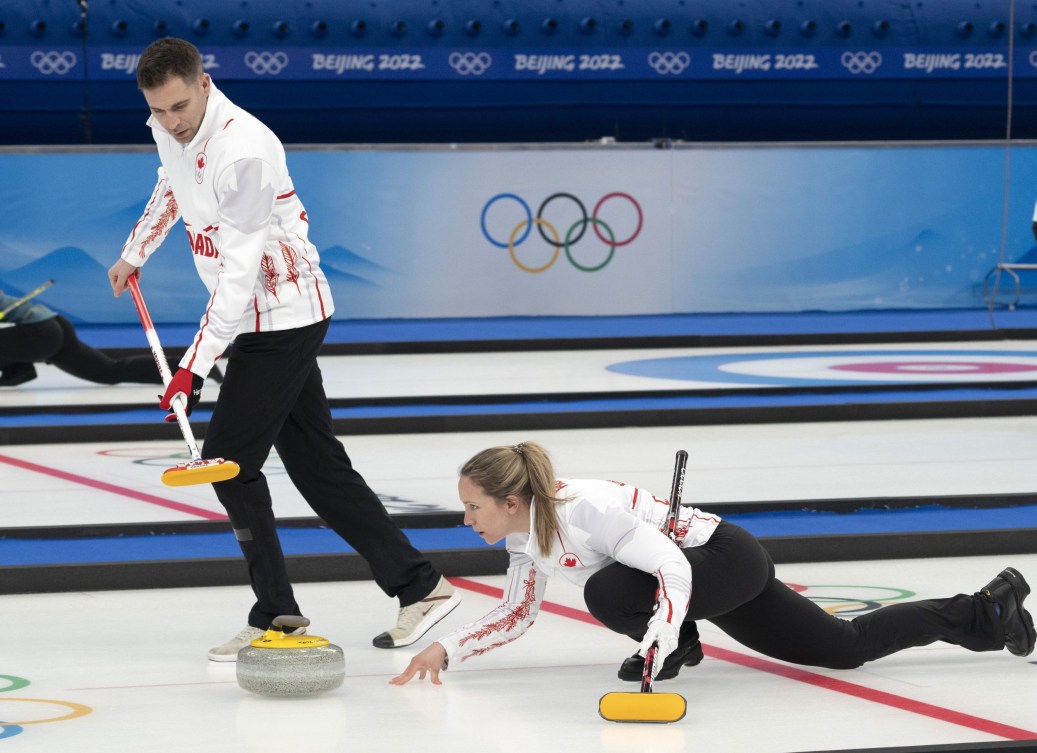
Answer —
582 231
54 62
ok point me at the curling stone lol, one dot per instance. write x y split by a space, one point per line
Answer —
281 664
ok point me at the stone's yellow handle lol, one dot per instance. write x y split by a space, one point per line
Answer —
275 637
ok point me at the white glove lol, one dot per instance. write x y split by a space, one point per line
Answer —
664 636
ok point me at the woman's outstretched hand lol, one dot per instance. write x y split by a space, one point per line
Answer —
430 660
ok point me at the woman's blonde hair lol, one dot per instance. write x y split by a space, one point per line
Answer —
525 471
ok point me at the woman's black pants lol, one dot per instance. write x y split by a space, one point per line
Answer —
733 586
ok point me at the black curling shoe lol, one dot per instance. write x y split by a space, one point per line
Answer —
633 669
17 373
1008 590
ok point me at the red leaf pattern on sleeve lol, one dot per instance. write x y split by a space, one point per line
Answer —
291 258
484 649
510 620
161 227
270 276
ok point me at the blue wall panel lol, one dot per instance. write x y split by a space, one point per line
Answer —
328 71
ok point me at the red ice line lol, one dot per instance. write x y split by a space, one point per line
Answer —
763 665
112 488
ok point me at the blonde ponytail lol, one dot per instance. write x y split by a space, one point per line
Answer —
523 470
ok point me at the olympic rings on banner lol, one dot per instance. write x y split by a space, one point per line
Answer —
861 62
263 63
640 216
611 243
53 62
470 63
669 63
552 197
512 244
550 235
490 203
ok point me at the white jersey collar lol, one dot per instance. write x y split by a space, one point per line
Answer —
213 105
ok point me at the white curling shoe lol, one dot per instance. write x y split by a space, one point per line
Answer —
417 619
229 650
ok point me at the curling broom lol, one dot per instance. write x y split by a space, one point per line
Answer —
27 297
647 706
198 471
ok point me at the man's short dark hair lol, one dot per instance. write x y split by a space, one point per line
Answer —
168 58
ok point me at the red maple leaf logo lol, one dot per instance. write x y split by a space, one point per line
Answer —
569 562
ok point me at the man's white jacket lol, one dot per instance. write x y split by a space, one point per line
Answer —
246 228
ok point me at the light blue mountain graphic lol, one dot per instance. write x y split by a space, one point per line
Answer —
11 258
81 284
926 252
929 269
170 283
344 268
82 294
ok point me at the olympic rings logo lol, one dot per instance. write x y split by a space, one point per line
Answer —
53 62
851 601
470 63
669 63
10 729
521 231
263 63
861 62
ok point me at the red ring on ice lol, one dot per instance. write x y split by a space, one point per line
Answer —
935 367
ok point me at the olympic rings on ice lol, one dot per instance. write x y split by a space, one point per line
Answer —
77 710
17 683
520 232
10 729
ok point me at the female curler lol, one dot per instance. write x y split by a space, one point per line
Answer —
646 706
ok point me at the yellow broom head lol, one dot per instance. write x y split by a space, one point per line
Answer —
658 708
200 472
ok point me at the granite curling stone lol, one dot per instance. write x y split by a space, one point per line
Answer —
280 664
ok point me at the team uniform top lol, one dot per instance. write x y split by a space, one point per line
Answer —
246 226
600 523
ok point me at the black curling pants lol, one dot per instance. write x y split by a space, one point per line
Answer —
54 341
733 586
273 396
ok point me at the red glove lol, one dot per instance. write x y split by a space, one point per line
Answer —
184 382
